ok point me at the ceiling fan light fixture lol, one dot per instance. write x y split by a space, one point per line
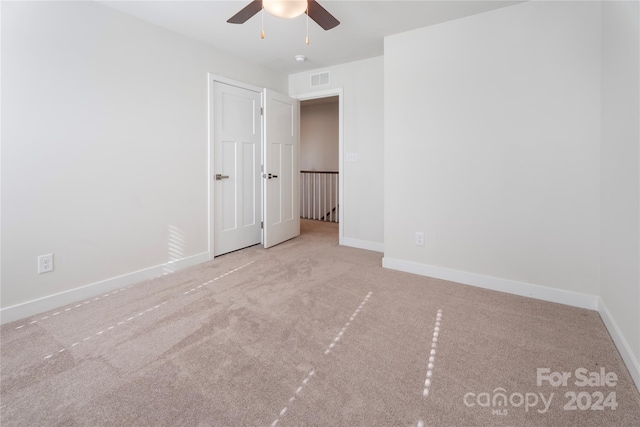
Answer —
285 8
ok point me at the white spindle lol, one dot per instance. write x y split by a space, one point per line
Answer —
319 196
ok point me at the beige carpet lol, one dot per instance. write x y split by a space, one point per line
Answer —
310 334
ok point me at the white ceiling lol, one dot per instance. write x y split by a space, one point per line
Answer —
360 35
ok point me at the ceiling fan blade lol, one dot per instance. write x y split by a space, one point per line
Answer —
247 12
321 16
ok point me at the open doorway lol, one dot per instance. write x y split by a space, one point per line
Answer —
320 164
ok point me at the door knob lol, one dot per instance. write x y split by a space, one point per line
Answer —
221 177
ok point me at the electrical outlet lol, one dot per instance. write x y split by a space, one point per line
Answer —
419 238
45 263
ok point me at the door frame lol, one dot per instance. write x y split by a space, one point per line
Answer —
325 94
211 80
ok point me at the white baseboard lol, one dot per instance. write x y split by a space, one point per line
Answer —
514 287
362 244
618 338
29 308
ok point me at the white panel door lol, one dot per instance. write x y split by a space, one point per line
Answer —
281 143
236 171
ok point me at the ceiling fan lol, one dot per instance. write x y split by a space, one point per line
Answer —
287 9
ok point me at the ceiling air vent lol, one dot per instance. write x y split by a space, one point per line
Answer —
320 79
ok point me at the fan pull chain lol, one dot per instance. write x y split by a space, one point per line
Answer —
307 40
262 17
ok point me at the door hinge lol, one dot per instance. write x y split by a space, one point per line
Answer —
261 111
261 224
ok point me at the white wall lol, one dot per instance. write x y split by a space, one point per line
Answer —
104 144
319 127
513 142
362 83
620 169
492 131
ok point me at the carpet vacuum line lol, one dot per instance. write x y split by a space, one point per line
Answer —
432 359
89 301
77 305
329 349
122 322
